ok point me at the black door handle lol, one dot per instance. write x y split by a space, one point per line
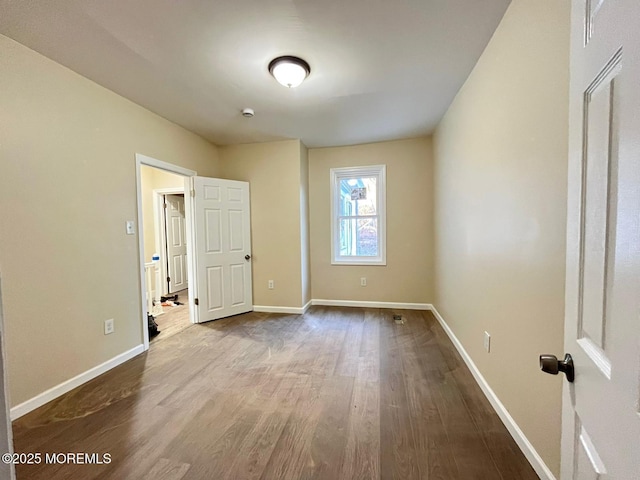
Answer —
550 364
247 257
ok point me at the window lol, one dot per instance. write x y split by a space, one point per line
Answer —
358 216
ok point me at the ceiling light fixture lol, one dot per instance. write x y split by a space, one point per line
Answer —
289 71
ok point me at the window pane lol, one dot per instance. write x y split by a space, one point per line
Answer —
368 206
367 244
346 205
359 237
348 237
357 196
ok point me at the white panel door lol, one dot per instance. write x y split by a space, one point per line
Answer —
601 421
222 248
176 242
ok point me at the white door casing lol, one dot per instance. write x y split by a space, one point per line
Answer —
221 246
185 172
7 470
600 418
176 242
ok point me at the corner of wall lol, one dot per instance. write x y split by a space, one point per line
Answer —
305 255
273 170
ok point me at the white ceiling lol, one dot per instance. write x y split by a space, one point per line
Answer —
380 69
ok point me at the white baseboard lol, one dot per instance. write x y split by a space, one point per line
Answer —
341 303
276 309
358 303
64 387
518 435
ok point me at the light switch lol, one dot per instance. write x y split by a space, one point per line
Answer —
131 230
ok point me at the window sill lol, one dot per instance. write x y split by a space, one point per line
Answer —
374 263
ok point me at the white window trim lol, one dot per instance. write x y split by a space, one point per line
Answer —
336 174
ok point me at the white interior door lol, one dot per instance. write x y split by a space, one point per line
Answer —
176 241
222 248
601 421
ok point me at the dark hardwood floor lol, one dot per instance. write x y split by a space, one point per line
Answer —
337 393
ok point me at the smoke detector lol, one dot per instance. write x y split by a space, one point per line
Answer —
248 112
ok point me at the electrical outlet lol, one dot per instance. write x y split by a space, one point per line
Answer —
363 281
487 342
108 326
270 284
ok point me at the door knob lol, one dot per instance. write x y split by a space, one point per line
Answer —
550 364
247 257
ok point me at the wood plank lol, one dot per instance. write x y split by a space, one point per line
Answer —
165 469
292 455
436 459
256 449
348 360
362 450
397 445
327 447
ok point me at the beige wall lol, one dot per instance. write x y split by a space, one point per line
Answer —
154 179
408 275
273 171
500 176
68 185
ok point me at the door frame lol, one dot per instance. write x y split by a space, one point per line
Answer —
160 227
171 168
6 430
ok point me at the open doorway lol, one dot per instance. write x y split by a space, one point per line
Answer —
163 247
169 261
217 227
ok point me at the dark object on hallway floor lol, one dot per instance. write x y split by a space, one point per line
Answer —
153 326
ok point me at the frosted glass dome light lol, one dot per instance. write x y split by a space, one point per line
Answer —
289 71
